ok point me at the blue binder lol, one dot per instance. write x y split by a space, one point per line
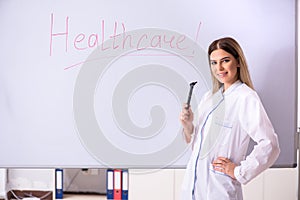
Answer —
110 184
125 184
59 184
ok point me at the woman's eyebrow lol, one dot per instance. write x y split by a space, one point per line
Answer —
226 57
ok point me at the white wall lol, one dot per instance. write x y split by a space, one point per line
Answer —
2 183
273 184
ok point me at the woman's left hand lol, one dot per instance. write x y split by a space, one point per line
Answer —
225 166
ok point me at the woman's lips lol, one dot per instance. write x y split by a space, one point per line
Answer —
222 74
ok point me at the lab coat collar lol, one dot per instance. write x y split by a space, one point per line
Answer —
231 88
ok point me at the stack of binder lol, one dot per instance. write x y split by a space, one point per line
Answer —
117 184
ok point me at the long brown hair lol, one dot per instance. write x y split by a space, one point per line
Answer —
231 46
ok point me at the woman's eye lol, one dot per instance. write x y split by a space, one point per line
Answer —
226 60
213 63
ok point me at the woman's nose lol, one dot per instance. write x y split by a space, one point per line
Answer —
219 67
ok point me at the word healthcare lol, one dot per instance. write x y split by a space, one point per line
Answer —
120 39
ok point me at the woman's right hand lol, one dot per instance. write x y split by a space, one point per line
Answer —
186 118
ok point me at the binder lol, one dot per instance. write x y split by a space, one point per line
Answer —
110 184
59 183
125 184
117 184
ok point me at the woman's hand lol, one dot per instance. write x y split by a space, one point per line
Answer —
186 118
225 166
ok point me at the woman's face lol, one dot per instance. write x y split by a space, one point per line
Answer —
224 67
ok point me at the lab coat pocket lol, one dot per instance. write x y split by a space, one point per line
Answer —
224 145
219 131
223 187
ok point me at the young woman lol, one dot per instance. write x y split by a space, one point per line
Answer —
229 116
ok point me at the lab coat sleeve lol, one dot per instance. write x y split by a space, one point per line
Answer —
254 121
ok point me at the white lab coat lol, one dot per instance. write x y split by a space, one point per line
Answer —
227 122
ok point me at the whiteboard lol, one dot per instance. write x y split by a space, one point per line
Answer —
101 83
